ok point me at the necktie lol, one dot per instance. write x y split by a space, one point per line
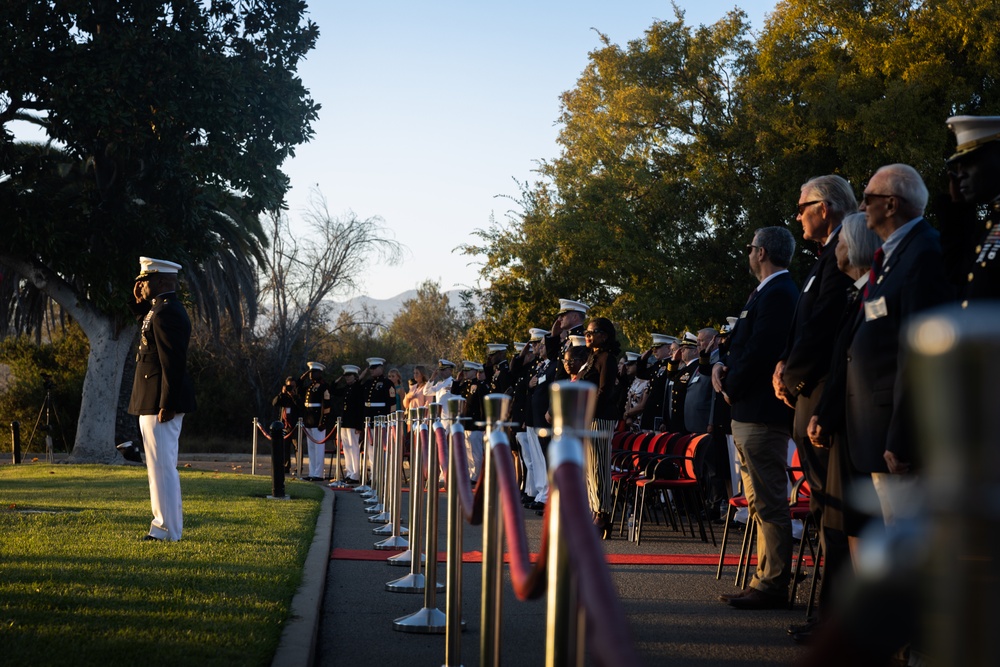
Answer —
874 272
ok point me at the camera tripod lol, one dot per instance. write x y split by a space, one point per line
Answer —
48 409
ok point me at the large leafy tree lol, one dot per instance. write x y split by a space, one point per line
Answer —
677 145
165 124
637 214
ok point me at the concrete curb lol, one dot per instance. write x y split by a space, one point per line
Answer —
299 638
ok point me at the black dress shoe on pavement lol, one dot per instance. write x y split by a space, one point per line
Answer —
756 599
728 597
534 505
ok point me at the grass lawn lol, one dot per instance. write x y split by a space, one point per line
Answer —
79 587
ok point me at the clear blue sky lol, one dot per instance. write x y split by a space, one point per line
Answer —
431 110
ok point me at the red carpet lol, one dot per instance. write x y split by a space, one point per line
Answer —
613 559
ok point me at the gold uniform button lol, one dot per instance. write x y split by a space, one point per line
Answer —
989 225
979 249
965 304
970 277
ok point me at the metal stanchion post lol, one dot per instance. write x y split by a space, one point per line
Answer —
453 610
300 431
15 438
277 462
492 600
376 501
253 453
572 409
338 482
416 497
430 619
363 487
948 548
395 529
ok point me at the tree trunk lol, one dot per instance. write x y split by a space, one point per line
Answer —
95 431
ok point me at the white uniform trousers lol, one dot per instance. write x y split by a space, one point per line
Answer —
541 466
160 442
317 451
352 451
474 449
534 462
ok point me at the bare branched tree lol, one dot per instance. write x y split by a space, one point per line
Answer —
301 273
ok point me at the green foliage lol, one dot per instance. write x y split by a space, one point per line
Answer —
168 123
677 145
22 386
427 326
74 567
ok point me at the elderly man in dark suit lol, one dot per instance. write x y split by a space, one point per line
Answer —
907 277
761 422
800 375
162 392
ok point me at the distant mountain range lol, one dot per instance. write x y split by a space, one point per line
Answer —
387 308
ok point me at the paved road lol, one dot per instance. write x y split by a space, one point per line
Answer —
672 609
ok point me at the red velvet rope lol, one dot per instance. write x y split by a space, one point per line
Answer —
470 500
608 634
527 578
318 442
268 435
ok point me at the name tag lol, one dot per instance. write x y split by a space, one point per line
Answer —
875 309
809 284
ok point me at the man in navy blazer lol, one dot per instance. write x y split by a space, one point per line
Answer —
906 280
800 376
761 421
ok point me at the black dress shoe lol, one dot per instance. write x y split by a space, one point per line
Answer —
534 505
728 597
808 626
150 538
756 599
540 512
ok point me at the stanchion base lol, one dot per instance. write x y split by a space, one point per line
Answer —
427 621
380 518
383 530
375 509
362 488
338 485
411 583
370 499
394 542
279 497
404 559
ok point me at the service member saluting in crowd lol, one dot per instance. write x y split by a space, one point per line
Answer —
162 392
317 406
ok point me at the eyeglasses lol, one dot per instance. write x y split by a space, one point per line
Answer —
752 247
803 206
872 195
592 332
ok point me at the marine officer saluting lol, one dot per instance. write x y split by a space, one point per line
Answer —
380 395
162 392
317 406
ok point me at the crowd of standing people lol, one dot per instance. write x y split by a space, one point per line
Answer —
817 367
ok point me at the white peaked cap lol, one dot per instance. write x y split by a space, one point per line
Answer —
472 366
567 306
537 334
519 346
375 361
496 347
662 339
689 340
632 357
350 368
149 266
316 366
971 132
578 341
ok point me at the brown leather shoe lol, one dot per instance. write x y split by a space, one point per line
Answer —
729 597
756 599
